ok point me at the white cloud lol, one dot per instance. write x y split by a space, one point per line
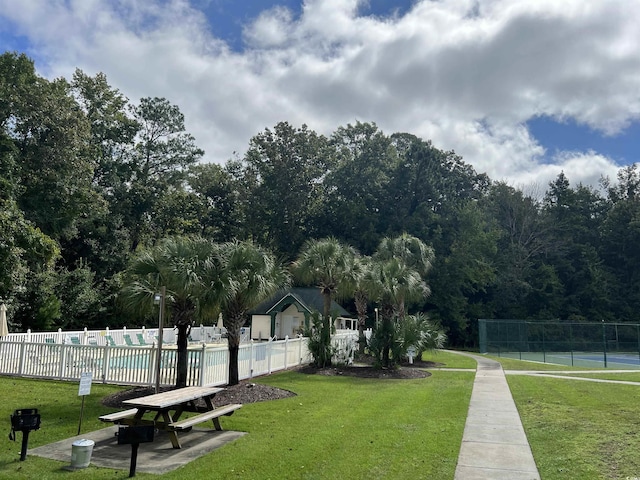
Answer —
465 74
579 167
271 29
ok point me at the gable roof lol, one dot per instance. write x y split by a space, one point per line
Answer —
309 299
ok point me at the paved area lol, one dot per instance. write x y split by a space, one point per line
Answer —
494 445
156 457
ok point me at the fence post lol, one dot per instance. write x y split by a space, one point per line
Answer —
251 358
571 341
269 352
604 342
63 360
22 354
85 335
286 350
106 355
201 365
544 348
299 349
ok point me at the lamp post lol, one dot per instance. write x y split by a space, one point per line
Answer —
376 310
158 299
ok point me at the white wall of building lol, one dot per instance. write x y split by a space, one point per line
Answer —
261 327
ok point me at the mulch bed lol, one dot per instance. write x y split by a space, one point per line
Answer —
249 392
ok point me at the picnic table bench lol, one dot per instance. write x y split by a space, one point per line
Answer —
169 406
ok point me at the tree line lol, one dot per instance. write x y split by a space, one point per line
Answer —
89 180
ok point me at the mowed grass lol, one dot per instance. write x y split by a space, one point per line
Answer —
580 430
604 375
514 364
449 360
335 427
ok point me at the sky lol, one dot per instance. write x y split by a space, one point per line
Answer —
521 89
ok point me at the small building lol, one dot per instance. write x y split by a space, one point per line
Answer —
289 313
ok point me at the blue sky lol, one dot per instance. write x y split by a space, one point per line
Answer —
227 17
556 136
522 90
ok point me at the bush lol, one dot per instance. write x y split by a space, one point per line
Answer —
319 349
419 332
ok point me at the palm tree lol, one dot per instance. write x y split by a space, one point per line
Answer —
361 294
411 252
420 332
329 264
393 283
177 263
250 275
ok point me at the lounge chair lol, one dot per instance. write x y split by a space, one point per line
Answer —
110 341
75 340
127 340
141 339
51 342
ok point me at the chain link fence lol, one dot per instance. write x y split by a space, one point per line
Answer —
596 344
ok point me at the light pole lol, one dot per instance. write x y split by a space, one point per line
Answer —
376 310
158 299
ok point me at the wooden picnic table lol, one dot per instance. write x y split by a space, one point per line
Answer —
169 406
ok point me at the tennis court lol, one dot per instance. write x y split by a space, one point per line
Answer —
578 344
618 360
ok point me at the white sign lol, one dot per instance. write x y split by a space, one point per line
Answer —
85 384
411 352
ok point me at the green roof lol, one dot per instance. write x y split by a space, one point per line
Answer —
309 298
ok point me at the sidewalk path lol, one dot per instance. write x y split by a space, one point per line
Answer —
494 445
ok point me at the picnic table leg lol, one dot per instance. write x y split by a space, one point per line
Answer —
173 436
216 421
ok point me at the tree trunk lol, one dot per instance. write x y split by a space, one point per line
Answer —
326 328
361 307
182 362
233 341
387 326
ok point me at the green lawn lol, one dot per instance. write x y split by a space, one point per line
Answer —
580 430
449 360
513 364
336 427
345 427
604 375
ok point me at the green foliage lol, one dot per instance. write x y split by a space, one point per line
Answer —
188 270
248 276
80 299
320 351
330 266
285 167
384 345
86 179
419 332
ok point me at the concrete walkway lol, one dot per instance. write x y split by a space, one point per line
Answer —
494 445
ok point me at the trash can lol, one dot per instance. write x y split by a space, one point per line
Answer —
81 453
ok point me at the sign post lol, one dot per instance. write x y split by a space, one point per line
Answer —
84 390
411 352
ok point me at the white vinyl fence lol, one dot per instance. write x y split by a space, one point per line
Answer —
208 365
200 334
